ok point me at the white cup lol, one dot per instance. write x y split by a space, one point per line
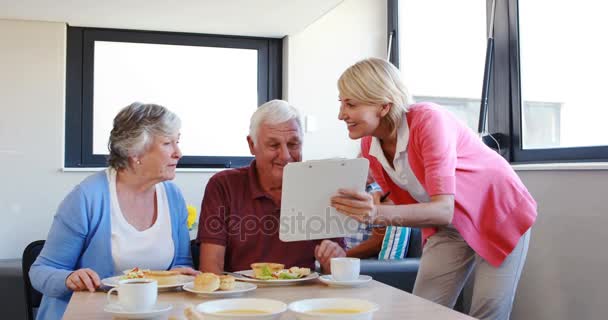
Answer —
345 269
136 294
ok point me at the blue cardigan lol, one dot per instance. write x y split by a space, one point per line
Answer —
80 238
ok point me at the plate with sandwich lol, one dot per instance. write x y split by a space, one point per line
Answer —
167 279
275 274
214 286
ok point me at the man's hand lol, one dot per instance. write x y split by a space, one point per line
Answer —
83 279
186 270
327 250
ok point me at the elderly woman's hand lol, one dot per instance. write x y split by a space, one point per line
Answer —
186 270
83 279
358 205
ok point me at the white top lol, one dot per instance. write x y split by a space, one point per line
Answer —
402 175
152 248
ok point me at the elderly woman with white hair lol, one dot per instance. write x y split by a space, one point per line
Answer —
126 216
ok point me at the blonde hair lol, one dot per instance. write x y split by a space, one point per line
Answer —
377 81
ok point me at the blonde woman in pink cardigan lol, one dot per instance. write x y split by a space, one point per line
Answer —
474 211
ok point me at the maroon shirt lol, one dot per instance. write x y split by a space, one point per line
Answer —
238 214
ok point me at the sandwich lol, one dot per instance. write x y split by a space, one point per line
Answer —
264 270
163 277
207 282
134 273
275 271
302 272
291 273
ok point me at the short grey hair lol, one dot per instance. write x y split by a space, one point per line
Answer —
273 112
135 127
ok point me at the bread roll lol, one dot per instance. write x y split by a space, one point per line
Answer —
207 282
227 282
163 277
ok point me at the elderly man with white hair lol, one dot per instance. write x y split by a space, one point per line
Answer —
239 221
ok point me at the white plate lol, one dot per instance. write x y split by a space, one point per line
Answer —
273 282
156 311
181 281
329 280
239 289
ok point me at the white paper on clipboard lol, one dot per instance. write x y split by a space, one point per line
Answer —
306 213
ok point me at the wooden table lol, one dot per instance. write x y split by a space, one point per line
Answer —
394 303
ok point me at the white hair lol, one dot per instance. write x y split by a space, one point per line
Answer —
273 112
135 127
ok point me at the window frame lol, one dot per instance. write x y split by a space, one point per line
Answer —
504 106
79 86
520 155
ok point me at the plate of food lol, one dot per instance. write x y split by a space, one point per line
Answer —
167 279
275 274
214 286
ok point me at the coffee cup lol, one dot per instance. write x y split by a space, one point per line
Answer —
135 294
345 269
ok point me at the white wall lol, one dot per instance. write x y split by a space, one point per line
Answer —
32 79
565 272
32 93
316 57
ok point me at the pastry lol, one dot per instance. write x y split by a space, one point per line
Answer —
163 277
207 282
227 282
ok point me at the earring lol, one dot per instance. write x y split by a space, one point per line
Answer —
138 162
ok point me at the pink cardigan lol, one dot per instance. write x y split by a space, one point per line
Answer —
493 208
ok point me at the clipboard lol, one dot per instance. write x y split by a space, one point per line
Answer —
306 213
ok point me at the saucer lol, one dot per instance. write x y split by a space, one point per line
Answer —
329 280
118 311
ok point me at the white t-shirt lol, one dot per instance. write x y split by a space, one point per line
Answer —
402 175
152 248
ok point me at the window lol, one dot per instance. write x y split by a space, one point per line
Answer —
213 83
545 101
465 109
442 60
562 79
541 124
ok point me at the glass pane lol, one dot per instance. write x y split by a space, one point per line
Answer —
563 69
206 87
442 53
